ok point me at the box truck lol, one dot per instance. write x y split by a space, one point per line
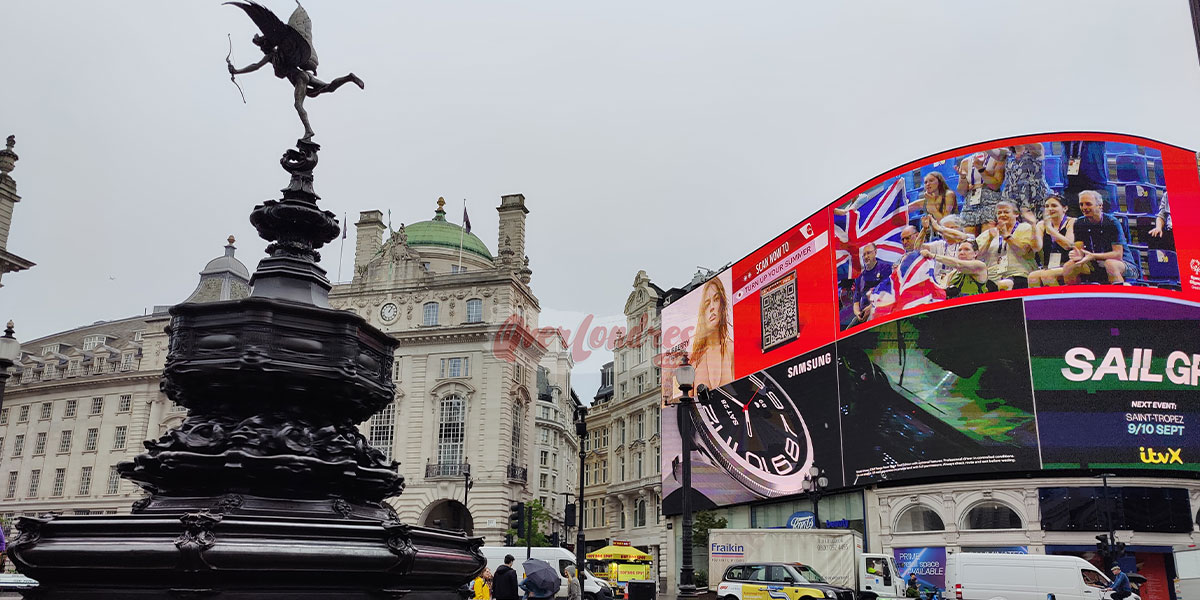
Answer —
1187 573
836 554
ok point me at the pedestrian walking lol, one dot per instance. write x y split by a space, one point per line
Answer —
574 591
504 582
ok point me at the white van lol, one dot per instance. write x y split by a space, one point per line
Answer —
971 576
594 588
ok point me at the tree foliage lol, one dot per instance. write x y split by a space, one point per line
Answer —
539 526
704 521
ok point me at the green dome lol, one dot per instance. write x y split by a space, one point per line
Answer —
442 233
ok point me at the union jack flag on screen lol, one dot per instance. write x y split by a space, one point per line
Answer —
878 220
913 282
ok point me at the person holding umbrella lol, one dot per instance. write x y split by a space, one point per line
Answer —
541 579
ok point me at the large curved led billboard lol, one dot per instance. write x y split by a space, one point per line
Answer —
1021 304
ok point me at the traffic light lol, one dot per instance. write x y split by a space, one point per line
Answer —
569 516
1118 550
516 518
1102 545
554 539
508 539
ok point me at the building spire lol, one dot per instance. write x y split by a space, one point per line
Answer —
440 213
8 158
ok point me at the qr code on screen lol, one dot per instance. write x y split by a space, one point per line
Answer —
780 312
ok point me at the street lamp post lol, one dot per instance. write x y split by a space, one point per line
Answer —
10 351
685 374
467 483
814 485
581 431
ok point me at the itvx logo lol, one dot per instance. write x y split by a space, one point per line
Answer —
1150 457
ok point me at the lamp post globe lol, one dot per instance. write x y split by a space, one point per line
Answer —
685 375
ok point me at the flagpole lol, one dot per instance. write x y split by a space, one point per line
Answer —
461 235
342 249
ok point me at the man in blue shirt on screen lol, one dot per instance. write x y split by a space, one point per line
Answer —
873 271
1102 254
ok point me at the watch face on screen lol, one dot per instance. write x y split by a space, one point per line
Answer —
753 429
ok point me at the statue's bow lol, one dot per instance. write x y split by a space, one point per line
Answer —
232 75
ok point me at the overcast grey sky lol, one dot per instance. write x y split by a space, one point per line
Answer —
644 135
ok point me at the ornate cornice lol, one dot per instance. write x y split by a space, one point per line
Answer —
40 387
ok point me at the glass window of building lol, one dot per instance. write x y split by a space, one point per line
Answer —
451 430
382 430
114 480
475 310
430 314
518 422
919 518
992 515
119 435
85 481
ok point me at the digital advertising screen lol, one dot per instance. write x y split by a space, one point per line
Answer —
1015 305
759 436
940 393
1117 381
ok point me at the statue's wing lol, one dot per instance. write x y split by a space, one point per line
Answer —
300 22
293 48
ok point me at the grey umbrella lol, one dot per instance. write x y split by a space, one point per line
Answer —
541 580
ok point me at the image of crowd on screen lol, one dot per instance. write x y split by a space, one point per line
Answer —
1015 217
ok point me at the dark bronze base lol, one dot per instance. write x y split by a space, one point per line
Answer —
268 489
211 554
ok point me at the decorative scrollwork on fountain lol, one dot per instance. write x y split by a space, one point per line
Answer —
197 537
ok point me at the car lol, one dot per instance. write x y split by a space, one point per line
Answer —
777 581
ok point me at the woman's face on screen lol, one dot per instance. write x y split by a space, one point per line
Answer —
712 306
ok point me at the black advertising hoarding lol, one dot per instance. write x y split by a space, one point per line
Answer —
1116 380
940 393
758 436
931 371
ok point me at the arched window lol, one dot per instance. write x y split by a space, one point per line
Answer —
919 518
431 313
451 431
475 310
992 515
518 421
639 513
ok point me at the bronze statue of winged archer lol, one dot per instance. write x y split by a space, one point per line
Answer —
289 49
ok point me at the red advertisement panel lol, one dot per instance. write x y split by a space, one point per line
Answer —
783 301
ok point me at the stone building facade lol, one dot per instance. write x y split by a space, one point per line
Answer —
9 262
623 483
468 406
83 400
